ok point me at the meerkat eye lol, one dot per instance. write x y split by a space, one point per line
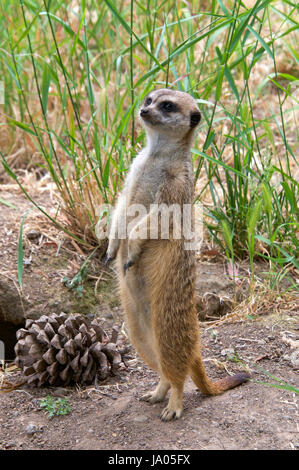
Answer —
168 106
195 119
148 101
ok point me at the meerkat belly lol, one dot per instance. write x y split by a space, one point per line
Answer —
134 282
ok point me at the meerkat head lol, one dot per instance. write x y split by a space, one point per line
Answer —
169 112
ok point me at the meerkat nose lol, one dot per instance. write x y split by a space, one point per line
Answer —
143 112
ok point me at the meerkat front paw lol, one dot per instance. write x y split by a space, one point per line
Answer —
128 265
108 259
134 250
112 250
133 255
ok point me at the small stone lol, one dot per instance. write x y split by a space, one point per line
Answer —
31 429
10 444
33 234
60 392
293 358
227 352
140 419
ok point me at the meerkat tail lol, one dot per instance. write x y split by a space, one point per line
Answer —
208 387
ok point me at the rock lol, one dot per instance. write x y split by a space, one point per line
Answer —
33 235
211 306
214 293
140 419
10 445
60 392
31 429
293 358
228 352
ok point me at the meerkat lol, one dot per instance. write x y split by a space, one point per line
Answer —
157 276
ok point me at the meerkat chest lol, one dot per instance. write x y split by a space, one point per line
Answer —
143 181
143 190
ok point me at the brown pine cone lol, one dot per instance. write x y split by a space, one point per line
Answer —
64 349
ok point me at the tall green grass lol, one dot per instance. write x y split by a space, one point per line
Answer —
76 72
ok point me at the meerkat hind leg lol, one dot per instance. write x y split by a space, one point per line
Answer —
159 393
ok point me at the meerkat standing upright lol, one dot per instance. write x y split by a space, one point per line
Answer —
156 276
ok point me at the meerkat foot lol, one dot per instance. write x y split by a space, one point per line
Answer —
170 413
159 393
174 409
151 397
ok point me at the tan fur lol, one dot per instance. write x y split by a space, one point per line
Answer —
157 285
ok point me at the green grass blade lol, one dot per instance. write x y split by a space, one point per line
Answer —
218 162
7 203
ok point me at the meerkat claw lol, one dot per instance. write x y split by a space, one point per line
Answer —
128 265
168 414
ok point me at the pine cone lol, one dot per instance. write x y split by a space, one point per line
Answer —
63 349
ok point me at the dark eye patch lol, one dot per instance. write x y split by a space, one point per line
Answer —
168 107
148 101
195 119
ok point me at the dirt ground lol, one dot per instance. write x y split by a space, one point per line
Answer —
253 416
111 416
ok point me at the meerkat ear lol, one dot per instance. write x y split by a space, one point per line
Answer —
195 119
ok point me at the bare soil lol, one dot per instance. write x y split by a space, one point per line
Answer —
110 415
253 416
